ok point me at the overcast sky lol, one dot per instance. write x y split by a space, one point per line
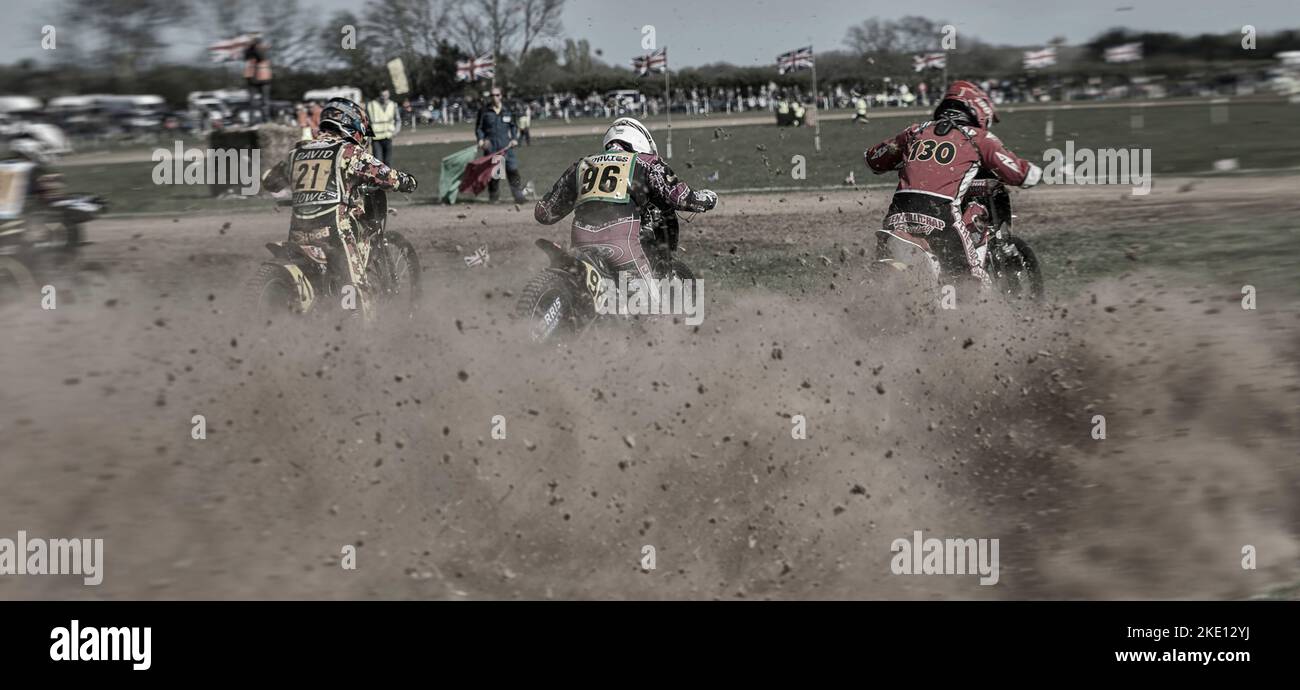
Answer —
752 32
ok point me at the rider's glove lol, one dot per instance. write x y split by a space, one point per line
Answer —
708 197
407 183
1033 177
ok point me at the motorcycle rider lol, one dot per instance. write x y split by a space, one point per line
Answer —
938 163
38 146
326 174
609 191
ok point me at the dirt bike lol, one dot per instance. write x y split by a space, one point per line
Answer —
300 279
39 242
55 224
1010 262
562 299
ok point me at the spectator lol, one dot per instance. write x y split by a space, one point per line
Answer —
525 126
497 130
257 73
313 117
383 119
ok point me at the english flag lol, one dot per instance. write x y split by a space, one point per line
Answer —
482 67
795 60
1038 59
928 60
656 62
231 49
1128 52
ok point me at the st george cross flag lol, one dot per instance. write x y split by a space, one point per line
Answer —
482 67
1128 52
795 60
655 62
935 60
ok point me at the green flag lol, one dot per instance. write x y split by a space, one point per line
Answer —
453 169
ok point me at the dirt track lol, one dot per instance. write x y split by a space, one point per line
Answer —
974 424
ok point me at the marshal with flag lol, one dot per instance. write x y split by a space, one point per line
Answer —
482 67
930 61
656 62
230 50
795 60
1128 52
1038 59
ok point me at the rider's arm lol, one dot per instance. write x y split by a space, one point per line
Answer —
277 178
1008 167
480 133
47 184
668 191
360 164
889 154
560 200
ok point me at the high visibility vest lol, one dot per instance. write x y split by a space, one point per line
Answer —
383 119
783 107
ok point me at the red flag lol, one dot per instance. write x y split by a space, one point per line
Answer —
478 173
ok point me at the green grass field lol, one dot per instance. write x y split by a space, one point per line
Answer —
1183 140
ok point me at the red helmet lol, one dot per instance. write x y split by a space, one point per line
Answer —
973 99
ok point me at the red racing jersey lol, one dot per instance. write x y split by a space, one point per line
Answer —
944 165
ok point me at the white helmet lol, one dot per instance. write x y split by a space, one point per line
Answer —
630 132
39 142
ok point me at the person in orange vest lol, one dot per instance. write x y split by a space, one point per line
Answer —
313 117
257 72
301 119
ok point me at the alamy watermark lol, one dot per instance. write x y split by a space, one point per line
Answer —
935 556
652 296
241 167
37 556
102 643
1099 166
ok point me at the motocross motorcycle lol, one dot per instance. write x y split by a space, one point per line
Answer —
561 300
40 240
298 280
1010 262
54 225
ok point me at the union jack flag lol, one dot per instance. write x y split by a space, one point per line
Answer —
478 258
1035 59
935 60
656 62
481 67
1128 52
794 60
229 49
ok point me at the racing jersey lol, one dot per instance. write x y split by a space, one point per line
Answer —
944 165
325 175
607 192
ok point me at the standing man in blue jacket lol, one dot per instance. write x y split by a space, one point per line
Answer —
497 128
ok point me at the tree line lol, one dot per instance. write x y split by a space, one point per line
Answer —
121 46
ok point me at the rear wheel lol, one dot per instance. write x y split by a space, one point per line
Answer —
678 269
547 306
16 282
1018 275
273 292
